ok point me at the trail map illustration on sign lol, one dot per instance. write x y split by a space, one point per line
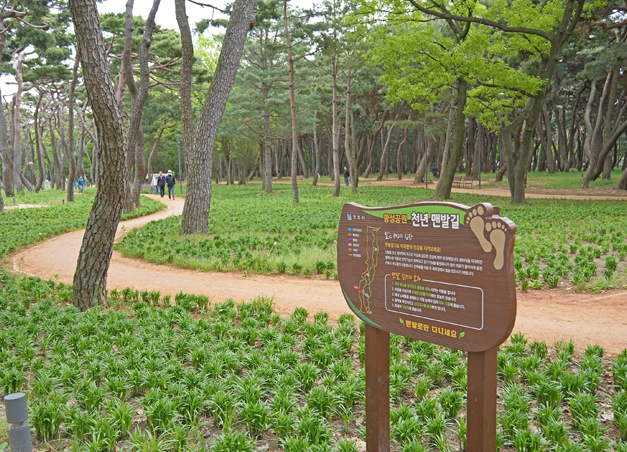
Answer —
438 272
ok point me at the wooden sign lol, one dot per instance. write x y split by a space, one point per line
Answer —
437 272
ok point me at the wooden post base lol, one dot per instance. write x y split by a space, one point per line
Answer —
481 420
377 390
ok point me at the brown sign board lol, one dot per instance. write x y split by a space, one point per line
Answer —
438 272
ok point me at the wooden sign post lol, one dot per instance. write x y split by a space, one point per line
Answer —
437 272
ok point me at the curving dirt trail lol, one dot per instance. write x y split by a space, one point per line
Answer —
546 315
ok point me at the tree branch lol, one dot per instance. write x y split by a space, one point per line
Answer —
207 5
482 21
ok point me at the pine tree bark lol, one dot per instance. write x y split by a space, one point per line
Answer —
443 189
383 163
348 149
335 129
295 144
317 152
373 143
90 279
187 61
7 161
17 126
198 198
399 154
63 145
138 96
56 163
71 159
40 157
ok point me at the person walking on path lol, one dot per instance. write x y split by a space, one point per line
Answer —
153 184
346 174
435 171
81 184
170 181
161 183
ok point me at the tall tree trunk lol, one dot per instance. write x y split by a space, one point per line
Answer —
471 148
335 127
5 155
266 148
71 159
399 154
138 98
373 143
40 157
317 151
426 158
90 279
383 164
330 167
154 147
17 126
136 131
295 144
198 198
349 147
81 153
7 161
446 154
550 158
56 163
278 158
443 189
63 144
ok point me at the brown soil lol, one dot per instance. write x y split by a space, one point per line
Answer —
545 315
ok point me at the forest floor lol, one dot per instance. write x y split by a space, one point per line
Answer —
549 315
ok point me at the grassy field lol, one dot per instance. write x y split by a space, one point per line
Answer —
19 227
558 180
147 374
560 243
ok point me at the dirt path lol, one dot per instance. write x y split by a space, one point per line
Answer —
599 193
547 315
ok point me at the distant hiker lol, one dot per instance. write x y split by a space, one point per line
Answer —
170 181
153 183
161 182
435 171
81 184
346 174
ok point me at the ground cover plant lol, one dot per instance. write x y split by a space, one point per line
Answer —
152 373
560 242
42 197
21 227
559 180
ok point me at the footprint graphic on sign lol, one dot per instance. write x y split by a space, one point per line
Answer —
496 237
477 225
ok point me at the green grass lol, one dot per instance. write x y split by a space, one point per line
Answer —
4 434
558 180
560 242
43 197
19 227
569 180
146 374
